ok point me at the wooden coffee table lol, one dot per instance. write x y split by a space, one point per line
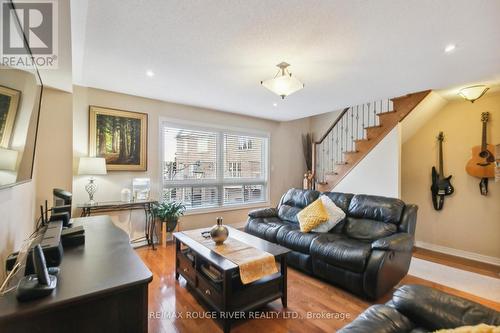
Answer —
223 291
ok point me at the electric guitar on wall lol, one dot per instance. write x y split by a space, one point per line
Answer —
441 185
482 162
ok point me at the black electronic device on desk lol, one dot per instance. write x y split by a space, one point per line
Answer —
62 206
50 244
36 285
73 236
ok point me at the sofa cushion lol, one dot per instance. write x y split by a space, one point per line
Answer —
339 250
373 207
291 237
342 200
299 198
289 213
335 215
368 230
265 228
293 201
312 216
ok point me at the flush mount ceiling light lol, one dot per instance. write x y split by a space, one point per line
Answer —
473 93
150 73
283 83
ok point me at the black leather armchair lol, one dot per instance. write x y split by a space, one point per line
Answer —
416 308
367 253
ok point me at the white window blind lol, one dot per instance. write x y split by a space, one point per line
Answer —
209 168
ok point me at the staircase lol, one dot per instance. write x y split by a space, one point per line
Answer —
356 131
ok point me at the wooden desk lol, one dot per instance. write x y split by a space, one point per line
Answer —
113 206
102 287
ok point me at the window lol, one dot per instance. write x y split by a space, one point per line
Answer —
235 169
244 143
212 168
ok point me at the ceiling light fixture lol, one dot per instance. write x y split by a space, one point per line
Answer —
283 83
275 104
150 73
450 48
473 93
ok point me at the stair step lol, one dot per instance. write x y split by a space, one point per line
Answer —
361 140
351 152
374 126
386 113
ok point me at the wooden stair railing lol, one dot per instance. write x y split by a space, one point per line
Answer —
355 132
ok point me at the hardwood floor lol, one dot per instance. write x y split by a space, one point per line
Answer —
457 262
174 309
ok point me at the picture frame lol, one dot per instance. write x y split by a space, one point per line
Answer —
120 137
9 103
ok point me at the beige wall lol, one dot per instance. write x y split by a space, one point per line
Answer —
54 145
320 123
468 222
286 163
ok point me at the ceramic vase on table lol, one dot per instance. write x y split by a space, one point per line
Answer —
219 232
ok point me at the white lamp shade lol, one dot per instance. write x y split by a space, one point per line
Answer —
473 93
8 159
283 85
92 166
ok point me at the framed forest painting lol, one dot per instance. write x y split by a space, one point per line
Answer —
120 137
9 101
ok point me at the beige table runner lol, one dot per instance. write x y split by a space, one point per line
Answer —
254 264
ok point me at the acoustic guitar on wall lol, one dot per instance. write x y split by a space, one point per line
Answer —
482 162
441 185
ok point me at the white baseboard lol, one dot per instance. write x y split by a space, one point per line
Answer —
459 253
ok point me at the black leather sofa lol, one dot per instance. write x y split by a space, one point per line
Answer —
367 253
418 309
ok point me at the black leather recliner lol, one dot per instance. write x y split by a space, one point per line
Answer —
418 309
367 253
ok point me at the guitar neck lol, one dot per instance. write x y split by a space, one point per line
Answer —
483 139
441 175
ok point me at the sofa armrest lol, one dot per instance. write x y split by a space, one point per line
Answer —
400 242
433 309
409 219
263 212
379 318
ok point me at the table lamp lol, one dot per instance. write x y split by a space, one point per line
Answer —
91 166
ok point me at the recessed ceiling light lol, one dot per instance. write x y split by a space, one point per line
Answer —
150 73
450 48
275 104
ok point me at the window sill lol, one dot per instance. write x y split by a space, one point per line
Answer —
227 208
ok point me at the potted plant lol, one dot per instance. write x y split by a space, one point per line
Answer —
169 212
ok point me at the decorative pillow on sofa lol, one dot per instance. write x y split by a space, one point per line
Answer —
312 216
481 328
368 230
335 215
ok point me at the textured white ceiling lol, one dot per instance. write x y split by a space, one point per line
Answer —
214 53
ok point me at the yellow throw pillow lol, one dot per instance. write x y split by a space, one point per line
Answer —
312 216
481 328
